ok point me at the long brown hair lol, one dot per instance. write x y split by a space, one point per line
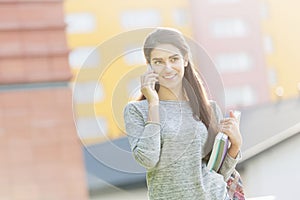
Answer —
192 82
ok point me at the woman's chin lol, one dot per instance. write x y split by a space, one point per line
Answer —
170 86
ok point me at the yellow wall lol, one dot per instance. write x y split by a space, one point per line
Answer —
282 24
108 16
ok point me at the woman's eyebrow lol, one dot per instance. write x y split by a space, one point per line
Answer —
156 59
175 55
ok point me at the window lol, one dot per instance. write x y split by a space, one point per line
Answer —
268 44
88 92
224 28
264 9
142 18
180 17
242 96
80 23
89 127
272 77
86 57
135 57
234 62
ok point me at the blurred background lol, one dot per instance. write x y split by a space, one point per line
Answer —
61 129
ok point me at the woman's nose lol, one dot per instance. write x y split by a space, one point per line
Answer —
168 66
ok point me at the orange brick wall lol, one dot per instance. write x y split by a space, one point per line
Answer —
40 153
33 46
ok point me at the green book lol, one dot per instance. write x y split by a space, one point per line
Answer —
219 152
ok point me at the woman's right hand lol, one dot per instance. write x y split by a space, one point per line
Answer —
148 80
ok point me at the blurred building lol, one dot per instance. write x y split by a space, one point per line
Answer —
231 32
281 42
40 154
247 40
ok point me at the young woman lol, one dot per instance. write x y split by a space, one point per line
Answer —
171 128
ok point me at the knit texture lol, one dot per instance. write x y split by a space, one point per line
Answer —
171 152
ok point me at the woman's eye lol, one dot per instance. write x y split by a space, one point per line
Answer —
174 59
157 62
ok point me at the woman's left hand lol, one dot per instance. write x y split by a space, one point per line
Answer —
230 126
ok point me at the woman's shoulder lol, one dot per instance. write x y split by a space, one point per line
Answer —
213 105
136 105
212 102
216 109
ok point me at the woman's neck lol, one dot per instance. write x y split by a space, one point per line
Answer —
171 94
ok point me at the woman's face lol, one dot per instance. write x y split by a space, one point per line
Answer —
169 63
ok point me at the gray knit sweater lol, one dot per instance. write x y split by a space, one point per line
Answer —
171 152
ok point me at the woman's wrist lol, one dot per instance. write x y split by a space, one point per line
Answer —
153 111
233 151
153 103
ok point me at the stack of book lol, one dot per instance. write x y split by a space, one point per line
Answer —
219 152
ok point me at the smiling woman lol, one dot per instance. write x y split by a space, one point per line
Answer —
166 60
172 126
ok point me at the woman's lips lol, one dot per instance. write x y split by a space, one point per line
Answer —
169 77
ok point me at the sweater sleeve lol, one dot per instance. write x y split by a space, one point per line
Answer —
144 137
229 163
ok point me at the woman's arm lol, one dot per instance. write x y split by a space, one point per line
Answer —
144 138
233 153
229 165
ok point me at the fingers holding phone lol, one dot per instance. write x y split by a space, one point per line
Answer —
148 80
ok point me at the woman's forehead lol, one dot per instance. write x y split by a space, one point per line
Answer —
164 50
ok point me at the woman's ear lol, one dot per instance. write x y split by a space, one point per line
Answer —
186 63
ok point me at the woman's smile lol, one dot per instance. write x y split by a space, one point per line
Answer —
169 77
